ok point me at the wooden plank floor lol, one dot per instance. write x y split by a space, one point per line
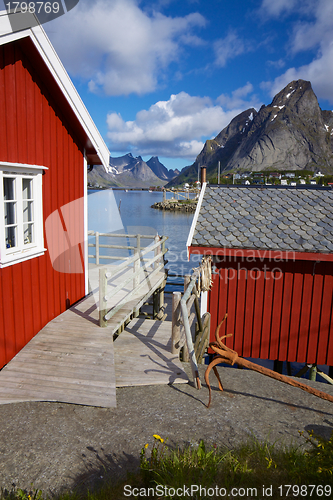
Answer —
72 358
142 355
89 308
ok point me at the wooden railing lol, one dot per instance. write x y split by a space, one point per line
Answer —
135 247
182 320
144 271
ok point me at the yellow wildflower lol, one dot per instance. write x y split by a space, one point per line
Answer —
146 445
158 438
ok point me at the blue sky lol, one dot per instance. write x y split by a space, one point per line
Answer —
160 77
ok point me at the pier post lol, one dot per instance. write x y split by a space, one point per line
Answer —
313 373
157 251
136 267
102 297
175 332
97 247
186 356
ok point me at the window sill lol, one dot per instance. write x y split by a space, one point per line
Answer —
10 260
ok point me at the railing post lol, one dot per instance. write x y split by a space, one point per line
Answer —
175 332
136 267
186 356
136 263
102 297
187 280
156 302
156 251
97 247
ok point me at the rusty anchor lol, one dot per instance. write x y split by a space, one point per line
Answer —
226 355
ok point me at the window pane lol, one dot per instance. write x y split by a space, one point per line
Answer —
28 233
9 188
28 211
10 234
27 189
10 213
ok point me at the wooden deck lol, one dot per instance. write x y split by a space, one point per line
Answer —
73 360
70 360
143 356
149 286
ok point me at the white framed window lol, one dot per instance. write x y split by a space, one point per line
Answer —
21 212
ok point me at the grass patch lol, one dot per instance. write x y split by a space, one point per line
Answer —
187 202
252 470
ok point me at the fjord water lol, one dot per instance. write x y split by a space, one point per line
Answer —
131 213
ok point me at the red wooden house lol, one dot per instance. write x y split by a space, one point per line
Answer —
48 140
272 250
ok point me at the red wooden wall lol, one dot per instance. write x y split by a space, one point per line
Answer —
33 130
278 311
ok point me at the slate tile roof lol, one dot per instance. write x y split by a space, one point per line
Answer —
265 218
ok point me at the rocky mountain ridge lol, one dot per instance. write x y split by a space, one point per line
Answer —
291 133
130 171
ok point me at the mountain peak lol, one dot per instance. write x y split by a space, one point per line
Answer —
291 133
293 91
160 170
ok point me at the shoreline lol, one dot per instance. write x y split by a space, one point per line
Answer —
176 205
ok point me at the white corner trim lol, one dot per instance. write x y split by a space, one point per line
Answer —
85 223
195 218
60 75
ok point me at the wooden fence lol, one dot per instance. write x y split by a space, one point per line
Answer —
182 321
132 281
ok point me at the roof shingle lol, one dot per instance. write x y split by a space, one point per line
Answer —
299 219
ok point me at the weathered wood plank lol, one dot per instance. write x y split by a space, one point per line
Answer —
35 355
74 373
143 355
72 359
67 364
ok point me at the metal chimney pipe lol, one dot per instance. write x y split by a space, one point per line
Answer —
203 175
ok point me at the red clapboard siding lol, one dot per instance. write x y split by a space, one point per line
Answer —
326 313
240 309
276 314
34 130
276 311
267 314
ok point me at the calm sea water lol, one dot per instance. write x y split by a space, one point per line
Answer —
131 213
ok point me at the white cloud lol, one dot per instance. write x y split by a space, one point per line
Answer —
237 99
315 35
174 128
318 31
228 48
274 8
119 48
319 72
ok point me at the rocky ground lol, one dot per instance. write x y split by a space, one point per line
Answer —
58 446
176 205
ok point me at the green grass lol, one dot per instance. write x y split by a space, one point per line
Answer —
246 468
187 202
